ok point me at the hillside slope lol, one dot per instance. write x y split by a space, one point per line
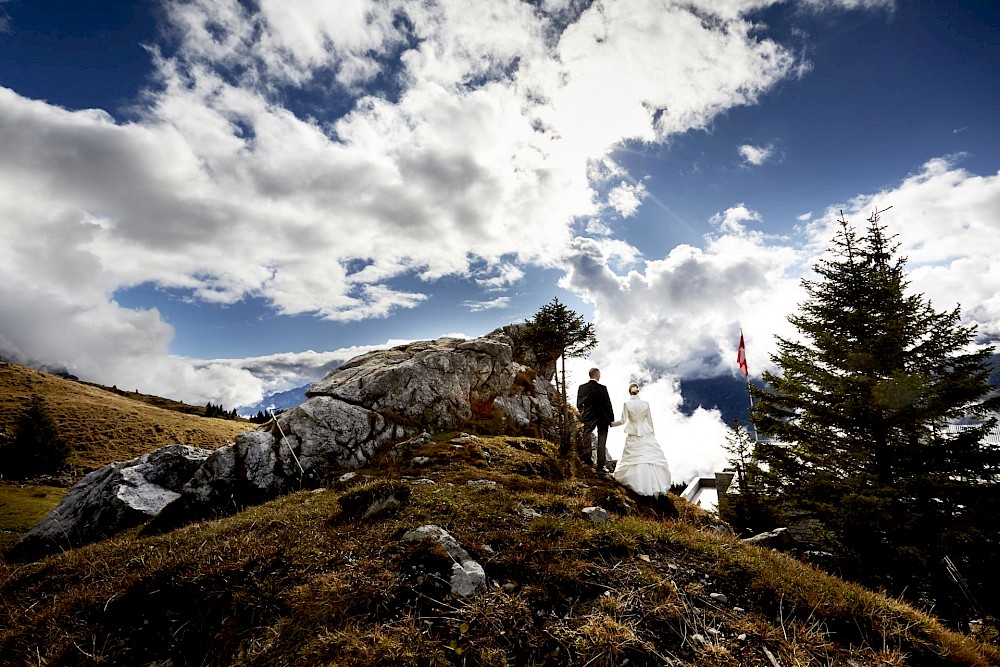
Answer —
102 425
324 577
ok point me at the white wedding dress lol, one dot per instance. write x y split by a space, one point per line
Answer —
642 466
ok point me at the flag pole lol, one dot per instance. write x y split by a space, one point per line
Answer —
741 359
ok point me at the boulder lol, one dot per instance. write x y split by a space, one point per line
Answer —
467 575
385 396
596 514
432 383
542 363
779 539
114 498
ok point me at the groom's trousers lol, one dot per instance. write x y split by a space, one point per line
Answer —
602 445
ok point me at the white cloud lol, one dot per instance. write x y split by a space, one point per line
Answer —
479 306
680 316
506 275
945 219
480 150
626 198
733 220
756 155
595 227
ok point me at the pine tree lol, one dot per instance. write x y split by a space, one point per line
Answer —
860 419
36 447
745 511
560 330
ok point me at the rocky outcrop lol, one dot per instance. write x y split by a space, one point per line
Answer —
376 399
390 395
114 498
436 384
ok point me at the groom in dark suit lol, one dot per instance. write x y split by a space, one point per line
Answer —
595 408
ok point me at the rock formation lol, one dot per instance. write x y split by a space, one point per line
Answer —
374 400
113 498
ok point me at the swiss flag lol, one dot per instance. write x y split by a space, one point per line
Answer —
741 356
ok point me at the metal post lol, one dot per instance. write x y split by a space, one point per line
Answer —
270 409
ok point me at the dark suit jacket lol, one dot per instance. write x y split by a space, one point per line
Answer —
594 404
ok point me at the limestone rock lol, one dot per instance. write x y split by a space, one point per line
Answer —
467 576
405 448
529 513
484 485
596 514
327 433
248 467
544 365
113 498
433 382
779 539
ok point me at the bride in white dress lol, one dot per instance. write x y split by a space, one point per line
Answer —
642 466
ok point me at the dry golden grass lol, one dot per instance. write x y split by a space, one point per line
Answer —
102 425
308 579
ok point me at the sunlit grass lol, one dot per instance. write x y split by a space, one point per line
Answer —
315 579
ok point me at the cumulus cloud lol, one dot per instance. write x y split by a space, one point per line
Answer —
944 218
756 155
308 154
680 316
626 198
507 274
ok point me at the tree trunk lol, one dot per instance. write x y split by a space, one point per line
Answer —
563 413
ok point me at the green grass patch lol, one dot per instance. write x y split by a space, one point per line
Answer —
21 507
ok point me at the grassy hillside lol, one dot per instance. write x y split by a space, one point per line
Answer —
102 424
321 578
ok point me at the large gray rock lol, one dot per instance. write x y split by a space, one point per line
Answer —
376 398
372 400
250 466
113 498
431 383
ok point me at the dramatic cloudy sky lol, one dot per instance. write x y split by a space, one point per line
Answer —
215 199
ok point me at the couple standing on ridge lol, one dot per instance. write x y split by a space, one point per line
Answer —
642 466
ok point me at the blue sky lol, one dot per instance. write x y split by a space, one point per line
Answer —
212 200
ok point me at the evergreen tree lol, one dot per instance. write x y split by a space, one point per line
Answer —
861 419
563 332
745 511
36 447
